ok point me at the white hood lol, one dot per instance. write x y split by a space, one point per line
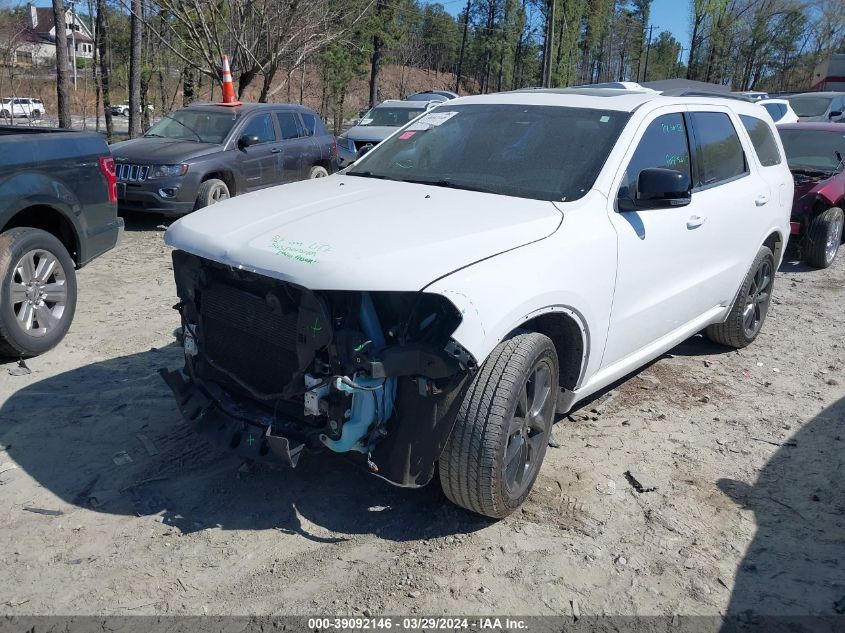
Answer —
354 233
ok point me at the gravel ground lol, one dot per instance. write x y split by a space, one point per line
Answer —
109 506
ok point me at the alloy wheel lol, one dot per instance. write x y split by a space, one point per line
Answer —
38 292
757 299
528 429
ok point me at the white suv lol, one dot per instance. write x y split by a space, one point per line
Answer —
28 107
483 269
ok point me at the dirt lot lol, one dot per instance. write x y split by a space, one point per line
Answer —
745 450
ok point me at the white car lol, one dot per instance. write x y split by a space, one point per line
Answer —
486 267
779 110
28 107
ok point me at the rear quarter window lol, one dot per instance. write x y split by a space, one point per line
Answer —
718 150
762 139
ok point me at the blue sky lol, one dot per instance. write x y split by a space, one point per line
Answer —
674 16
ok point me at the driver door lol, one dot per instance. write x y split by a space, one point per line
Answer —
258 161
661 280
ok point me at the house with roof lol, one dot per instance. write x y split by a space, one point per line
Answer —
829 75
38 37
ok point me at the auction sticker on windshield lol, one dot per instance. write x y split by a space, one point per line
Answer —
430 120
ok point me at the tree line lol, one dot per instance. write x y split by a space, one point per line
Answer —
168 52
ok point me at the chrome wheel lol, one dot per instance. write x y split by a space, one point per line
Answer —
834 239
527 429
217 194
38 292
757 300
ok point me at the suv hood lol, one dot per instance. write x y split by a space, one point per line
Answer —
374 133
160 151
354 233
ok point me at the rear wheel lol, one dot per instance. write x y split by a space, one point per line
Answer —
211 191
823 238
751 305
317 171
494 453
37 292
36 114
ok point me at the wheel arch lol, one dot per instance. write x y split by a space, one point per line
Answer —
51 220
566 328
776 244
225 175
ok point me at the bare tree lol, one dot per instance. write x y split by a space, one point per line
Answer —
105 64
62 77
136 26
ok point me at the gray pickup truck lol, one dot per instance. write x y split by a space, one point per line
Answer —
58 211
205 153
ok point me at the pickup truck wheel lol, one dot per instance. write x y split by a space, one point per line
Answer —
494 453
37 292
751 305
211 191
36 114
5 114
823 238
318 172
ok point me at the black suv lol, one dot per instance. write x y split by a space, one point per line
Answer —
204 153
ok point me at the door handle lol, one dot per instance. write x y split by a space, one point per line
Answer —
695 221
275 150
761 199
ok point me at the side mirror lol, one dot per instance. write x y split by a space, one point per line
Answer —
366 148
834 114
659 188
248 139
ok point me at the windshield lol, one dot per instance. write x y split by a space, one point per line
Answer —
539 152
202 126
387 116
810 106
813 149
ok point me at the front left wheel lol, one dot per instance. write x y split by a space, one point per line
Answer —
502 429
37 292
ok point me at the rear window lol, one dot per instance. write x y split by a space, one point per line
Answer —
289 124
720 155
310 122
810 106
775 110
388 116
762 139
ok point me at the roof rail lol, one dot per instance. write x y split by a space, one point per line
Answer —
686 92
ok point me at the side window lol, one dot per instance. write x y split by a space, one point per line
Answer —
310 122
762 139
289 125
262 127
719 154
664 144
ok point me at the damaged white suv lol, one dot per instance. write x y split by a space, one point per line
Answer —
480 271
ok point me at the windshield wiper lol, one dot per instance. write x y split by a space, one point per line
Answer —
186 126
154 136
443 182
367 174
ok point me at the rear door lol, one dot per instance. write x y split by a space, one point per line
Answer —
258 162
297 148
736 200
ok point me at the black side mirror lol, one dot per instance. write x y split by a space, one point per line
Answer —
834 114
363 150
659 188
248 139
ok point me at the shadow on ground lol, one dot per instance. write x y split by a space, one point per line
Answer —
139 221
796 563
74 434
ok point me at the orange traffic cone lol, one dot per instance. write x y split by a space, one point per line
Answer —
228 86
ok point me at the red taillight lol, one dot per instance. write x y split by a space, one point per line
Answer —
334 148
107 167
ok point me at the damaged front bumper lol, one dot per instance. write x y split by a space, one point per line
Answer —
250 438
273 369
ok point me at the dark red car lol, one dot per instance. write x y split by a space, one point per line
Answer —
814 152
